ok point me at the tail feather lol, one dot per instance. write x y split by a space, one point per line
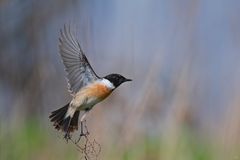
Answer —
74 121
60 122
59 115
66 124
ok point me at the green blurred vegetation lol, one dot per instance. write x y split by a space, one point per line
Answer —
31 141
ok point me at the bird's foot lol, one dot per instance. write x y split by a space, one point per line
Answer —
67 136
82 133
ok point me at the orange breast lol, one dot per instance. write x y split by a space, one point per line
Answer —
98 90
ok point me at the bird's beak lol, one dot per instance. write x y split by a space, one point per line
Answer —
127 80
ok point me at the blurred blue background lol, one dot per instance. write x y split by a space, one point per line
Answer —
182 55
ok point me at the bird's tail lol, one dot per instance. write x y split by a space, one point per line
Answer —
63 122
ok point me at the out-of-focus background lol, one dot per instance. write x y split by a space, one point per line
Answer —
183 57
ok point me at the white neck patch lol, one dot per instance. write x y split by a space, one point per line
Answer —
107 83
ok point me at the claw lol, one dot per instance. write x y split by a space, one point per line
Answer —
67 136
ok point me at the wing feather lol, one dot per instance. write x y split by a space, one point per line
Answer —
79 71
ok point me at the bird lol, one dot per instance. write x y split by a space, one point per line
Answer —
85 86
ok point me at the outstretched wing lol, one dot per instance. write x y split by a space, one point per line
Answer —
79 71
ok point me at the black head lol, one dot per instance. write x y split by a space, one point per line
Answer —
116 79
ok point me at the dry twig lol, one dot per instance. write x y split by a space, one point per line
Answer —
90 149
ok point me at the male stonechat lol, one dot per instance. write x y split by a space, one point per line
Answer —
85 86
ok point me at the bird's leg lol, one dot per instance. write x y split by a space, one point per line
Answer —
85 121
82 134
84 115
67 136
